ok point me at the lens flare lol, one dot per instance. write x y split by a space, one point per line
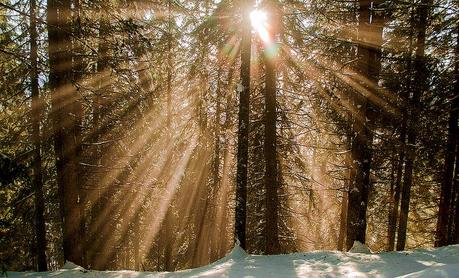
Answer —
259 21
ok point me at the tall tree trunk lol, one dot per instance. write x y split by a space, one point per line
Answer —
345 199
356 226
99 198
456 186
393 213
445 206
420 72
369 53
394 210
67 100
455 109
63 98
40 229
73 229
392 204
271 229
53 49
243 127
270 154
343 216
77 111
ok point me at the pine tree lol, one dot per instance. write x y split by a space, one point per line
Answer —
243 127
36 115
368 66
420 75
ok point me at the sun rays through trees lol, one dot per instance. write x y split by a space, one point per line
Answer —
155 135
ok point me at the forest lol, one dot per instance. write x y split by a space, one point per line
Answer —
155 135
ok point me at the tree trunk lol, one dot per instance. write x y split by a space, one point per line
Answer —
63 98
455 109
342 225
67 97
420 72
369 52
53 50
456 186
270 154
40 228
77 111
394 211
445 206
243 127
392 204
271 229
345 199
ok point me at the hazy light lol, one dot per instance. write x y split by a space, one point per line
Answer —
259 21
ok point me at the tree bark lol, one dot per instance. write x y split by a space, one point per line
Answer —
270 154
40 228
342 225
445 206
368 67
77 111
394 211
420 72
62 100
271 229
243 128
455 109
345 199
392 205
67 100
456 186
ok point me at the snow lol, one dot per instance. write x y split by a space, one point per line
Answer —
358 247
443 271
441 262
70 265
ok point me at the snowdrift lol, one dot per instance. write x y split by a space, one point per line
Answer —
440 262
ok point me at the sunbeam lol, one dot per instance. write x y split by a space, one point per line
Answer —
167 135
259 21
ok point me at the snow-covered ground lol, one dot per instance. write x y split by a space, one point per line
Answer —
440 262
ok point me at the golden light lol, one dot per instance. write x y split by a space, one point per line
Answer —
259 21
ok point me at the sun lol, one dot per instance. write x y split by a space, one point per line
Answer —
259 21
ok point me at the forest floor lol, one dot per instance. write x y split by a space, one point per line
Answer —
438 262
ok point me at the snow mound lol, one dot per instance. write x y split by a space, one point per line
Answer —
71 266
444 271
359 247
237 253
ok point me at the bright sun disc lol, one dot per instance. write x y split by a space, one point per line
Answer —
259 20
